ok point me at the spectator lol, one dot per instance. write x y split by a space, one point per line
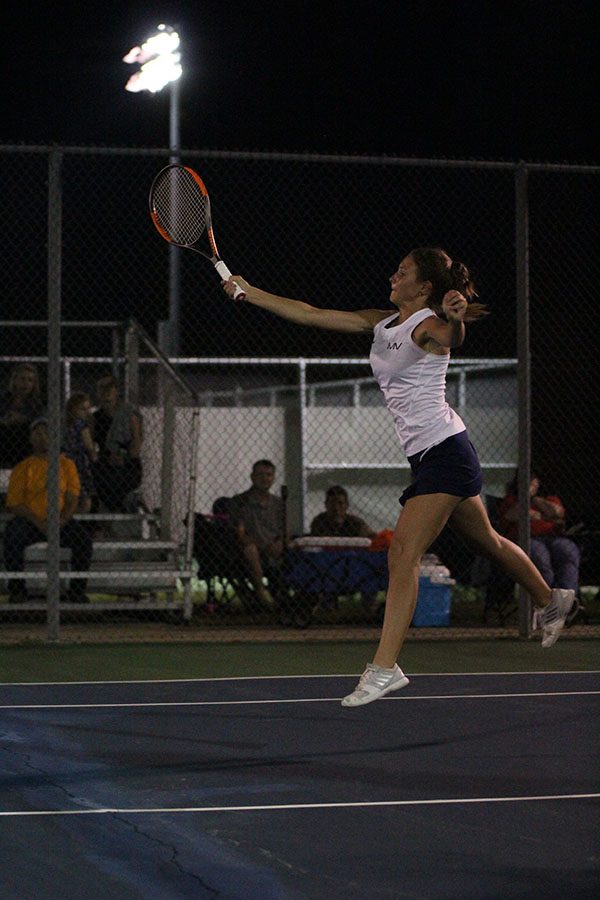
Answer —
79 446
19 406
336 521
257 517
117 432
556 555
27 500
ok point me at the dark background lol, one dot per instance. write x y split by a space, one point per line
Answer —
471 79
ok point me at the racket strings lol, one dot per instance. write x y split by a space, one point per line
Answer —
180 206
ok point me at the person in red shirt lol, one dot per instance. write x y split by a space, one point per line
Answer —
556 555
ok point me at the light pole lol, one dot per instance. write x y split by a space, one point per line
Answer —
159 60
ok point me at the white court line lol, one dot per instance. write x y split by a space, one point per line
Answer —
286 677
290 806
159 703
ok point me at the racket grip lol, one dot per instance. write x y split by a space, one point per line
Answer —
226 275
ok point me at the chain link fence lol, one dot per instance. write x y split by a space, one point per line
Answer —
169 392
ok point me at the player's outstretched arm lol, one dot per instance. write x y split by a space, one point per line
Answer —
303 313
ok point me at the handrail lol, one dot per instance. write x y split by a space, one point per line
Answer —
367 380
39 323
486 362
161 358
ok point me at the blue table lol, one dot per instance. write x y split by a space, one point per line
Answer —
335 572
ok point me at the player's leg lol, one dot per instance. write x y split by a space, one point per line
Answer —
420 522
470 520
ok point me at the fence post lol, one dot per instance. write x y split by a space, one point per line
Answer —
54 392
168 447
132 366
116 351
301 513
523 380
191 512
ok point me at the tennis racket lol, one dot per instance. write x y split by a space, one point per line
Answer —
180 210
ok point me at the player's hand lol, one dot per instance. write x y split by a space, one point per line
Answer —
232 284
454 306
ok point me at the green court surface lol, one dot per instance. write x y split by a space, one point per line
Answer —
116 662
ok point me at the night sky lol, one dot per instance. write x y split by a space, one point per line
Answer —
471 79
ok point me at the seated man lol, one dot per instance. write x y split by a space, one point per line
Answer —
336 521
257 518
27 500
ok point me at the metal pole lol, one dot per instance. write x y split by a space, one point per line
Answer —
54 395
190 517
303 448
116 351
174 138
167 460
132 366
67 380
174 338
524 380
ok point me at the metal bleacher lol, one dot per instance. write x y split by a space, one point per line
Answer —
132 568
141 558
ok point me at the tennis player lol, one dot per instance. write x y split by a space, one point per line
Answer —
410 352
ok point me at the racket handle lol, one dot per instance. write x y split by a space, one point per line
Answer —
226 275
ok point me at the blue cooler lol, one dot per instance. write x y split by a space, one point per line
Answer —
433 604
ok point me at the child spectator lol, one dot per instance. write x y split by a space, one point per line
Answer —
79 446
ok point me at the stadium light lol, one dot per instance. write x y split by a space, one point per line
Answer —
159 61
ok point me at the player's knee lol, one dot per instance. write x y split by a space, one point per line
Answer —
403 553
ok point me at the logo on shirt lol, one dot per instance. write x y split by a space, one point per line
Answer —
392 345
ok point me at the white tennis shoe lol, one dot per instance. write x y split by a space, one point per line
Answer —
375 682
551 619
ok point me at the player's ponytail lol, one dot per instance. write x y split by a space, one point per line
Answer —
445 274
462 281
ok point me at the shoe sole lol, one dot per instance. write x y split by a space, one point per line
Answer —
551 639
387 690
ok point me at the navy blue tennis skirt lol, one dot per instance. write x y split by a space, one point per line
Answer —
451 467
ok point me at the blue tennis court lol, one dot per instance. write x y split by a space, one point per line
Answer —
458 786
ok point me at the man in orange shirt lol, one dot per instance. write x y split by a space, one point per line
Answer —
27 499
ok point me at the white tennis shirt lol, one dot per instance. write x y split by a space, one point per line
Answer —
413 384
